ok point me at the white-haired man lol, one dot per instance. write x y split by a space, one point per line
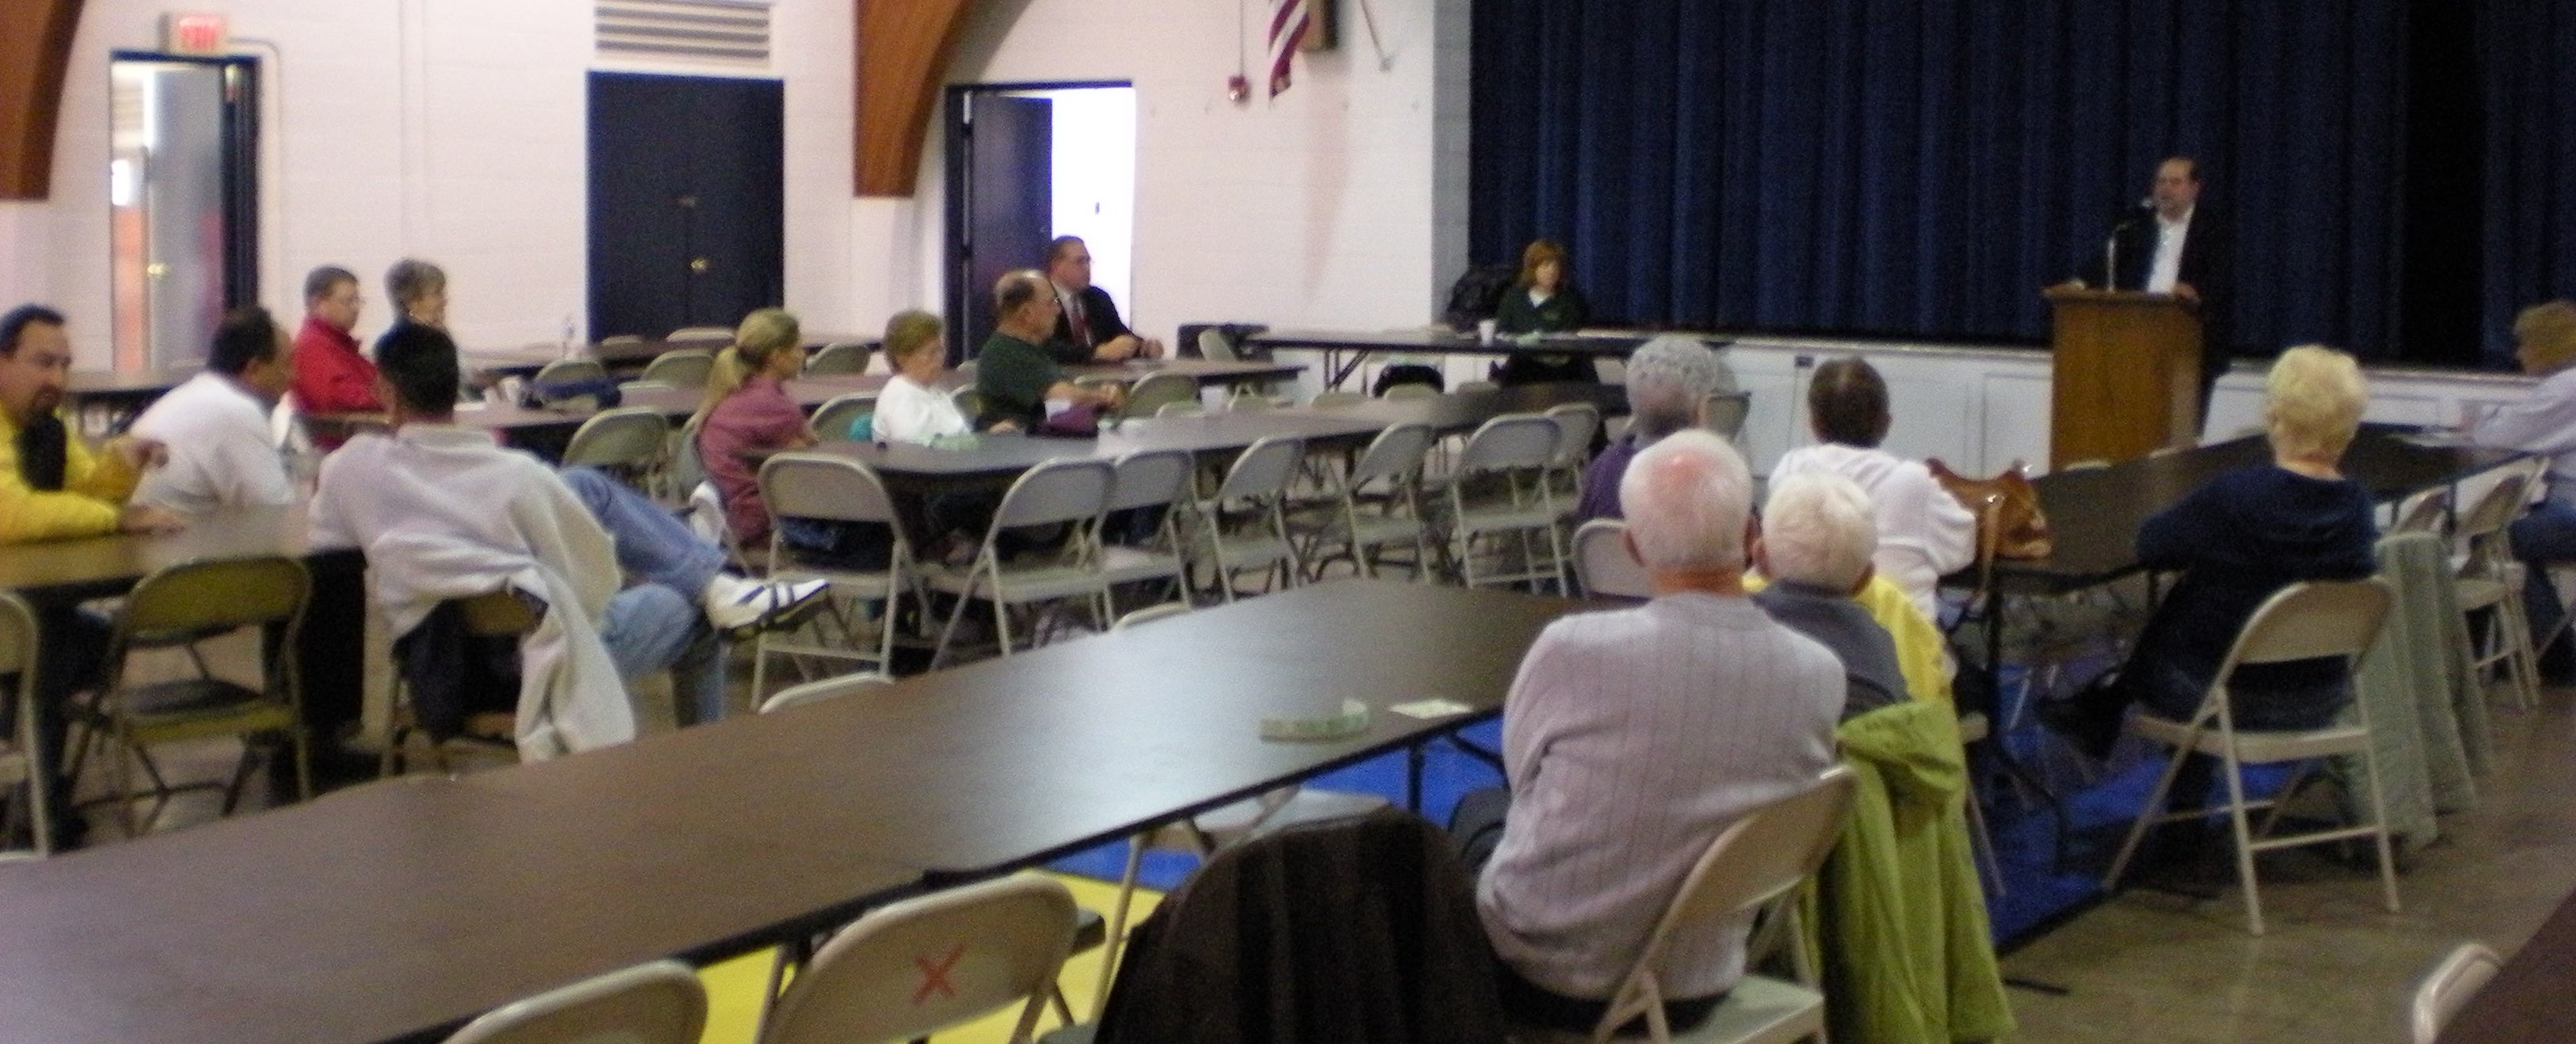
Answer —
1668 379
1631 738
1817 539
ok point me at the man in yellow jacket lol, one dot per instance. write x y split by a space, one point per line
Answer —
53 487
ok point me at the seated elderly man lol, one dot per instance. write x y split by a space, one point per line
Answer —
1923 532
1815 546
1669 379
1632 738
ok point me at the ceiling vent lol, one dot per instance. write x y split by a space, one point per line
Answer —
729 31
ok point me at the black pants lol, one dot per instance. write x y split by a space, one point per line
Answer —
1475 828
71 650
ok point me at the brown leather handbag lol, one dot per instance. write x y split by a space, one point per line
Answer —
2010 523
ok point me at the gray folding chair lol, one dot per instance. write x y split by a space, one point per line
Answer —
1376 505
1577 423
658 1003
630 442
2444 992
828 487
1602 567
821 689
494 614
838 357
1156 389
1334 400
1145 480
1245 525
179 607
1180 409
2304 621
925 964
20 756
702 333
1724 413
1756 864
1065 493
681 367
2490 590
565 370
1499 489
970 403
832 420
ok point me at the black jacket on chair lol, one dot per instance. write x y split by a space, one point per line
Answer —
1352 931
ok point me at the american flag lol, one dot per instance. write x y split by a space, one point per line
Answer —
1287 30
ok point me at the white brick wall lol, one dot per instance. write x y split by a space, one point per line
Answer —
1319 208
453 130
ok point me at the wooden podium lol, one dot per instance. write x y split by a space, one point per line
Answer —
2126 379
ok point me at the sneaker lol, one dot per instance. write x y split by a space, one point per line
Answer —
740 608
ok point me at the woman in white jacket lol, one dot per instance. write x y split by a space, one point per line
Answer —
1923 532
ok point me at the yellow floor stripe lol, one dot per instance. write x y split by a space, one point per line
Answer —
733 987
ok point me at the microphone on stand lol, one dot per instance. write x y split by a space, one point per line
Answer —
2145 209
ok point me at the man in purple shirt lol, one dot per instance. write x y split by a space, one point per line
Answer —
1668 380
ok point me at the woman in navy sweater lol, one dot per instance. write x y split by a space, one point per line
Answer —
2240 538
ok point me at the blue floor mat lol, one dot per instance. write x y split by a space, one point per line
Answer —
2042 884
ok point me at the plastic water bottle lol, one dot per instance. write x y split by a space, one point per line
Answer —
567 336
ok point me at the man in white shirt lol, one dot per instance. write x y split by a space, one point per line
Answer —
444 513
2173 245
1923 532
1632 738
221 453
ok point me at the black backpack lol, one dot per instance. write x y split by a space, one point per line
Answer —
1477 295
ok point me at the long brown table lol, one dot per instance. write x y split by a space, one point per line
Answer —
2094 513
1345 350
543 429
396 910
617 356
991 459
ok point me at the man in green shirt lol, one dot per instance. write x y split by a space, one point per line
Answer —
1015 376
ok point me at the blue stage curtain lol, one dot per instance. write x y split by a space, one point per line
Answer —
2527 52
1924 167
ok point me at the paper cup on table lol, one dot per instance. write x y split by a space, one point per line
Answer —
1484 331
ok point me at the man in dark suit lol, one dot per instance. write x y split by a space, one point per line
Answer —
2172 245
1087 327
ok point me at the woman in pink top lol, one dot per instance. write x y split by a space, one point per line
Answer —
749 411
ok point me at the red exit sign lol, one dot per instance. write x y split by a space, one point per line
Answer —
193 33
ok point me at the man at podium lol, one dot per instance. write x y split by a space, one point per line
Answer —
2168 244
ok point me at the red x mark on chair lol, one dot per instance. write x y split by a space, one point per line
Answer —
934 974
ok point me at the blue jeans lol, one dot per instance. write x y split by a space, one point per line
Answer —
656 625
652 543
651 628
2544 536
